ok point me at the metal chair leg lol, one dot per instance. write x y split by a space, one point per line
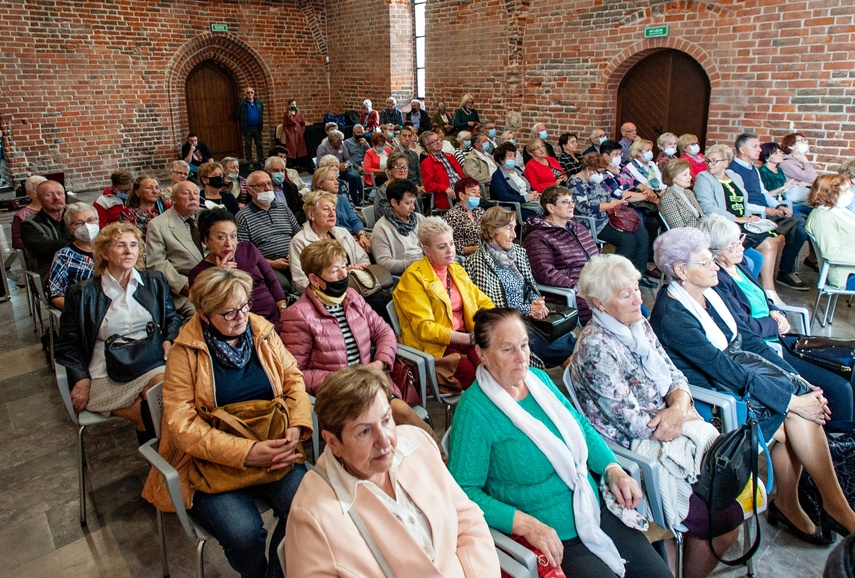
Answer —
816 308
200 559
81 475
833 309
678 537
746 544
161 534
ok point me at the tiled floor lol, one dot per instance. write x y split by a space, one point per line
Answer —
40 535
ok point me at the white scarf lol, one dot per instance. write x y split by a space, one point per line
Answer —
714 334
635 339
569 458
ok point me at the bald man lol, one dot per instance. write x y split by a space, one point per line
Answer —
628 135
45 233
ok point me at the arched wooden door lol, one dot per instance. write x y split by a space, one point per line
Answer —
667 91
211 109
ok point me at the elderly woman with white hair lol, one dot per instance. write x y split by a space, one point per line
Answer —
178 172
633 394
464 146
75 262
369 118
715 349
667 145
436 302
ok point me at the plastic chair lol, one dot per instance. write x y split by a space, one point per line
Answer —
568 294
426 369
823 288
590 224
82 420
40 305
517 208
369 216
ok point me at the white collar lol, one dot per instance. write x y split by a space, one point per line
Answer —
113 289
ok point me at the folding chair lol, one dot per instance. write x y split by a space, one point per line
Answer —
368 216
40 305
823 289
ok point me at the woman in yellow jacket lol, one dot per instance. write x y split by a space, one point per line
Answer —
226 355
436 301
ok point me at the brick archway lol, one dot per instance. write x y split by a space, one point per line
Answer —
234 55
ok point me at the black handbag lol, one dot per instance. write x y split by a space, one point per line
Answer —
128 358
560 321
833 354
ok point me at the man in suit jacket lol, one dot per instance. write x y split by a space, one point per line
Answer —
174 244
45 233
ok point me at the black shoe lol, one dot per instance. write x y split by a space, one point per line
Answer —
774 515
792 280
830 525
811 264
645 282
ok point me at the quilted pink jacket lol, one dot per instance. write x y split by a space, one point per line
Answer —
314 338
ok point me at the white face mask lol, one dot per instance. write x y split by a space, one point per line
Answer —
670 151
596 178
615 162
844 200
694 149
87 232
265 198
603 139
647 156
802 147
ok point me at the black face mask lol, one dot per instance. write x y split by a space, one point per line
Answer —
335 289
216 182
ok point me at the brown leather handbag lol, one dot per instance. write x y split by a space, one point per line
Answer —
624 219
256 420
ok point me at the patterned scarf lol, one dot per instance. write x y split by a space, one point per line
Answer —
651 180
504 259
403 228
230 357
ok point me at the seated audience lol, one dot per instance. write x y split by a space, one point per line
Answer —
710 191
233 183
597 137
397 168
391 115
628 136
679 207
121 300
689 149
369 118
642 168
709 345
436 301
423 524
557 246
73 263
750 305
667 145
570 157
334 146
375 160
325 178
465 216
795 163
447 147
440 172
144 203
832 226
27 211
418 117
213 193
225 356
789 225
509 183
774 180
510 137
357 145
268 225
501 269
553 501
45 233
593 200
490 131
478 164
538 131
542 170
195 153
443 120
614 177
406 142
466 117
219 233
174 246
288 187
394 242
633 394
464 142
178 171
112 202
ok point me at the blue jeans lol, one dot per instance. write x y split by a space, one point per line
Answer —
552 354
796 237
233 519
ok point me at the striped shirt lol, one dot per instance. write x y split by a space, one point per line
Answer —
271 231
353 356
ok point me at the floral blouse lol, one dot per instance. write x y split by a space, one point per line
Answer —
467 232
613 390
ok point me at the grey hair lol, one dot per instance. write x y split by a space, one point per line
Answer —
721 148
336 135
606 274
847 169
75 209
742 139
358 125
393 99
416 100
268 164
505 135
330 125
676 247
430 227
366 103
720 231
328 161
665 136
180 165
534 130
228 160
462 136
594 133
32 182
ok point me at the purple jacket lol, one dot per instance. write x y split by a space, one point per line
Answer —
558 254
313 336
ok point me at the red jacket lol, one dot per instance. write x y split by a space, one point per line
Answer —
371 121
109 207
435 178
313 336
541 176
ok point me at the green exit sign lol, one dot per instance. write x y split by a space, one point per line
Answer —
225 28
655 31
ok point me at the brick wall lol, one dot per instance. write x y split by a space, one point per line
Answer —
774 67
92 87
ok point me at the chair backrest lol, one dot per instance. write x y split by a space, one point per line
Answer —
445 442
393 318
820 263
369 216
65 392
154 397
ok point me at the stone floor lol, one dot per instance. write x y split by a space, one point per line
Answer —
40 533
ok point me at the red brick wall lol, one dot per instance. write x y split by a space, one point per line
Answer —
92 87
774 67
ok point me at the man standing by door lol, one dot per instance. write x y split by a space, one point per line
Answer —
251 114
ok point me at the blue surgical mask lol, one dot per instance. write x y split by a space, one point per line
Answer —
467 144
513 141
390 134
647 156
122 196
542 135
510 163
473 202
277 178
491 133
233 176
603 139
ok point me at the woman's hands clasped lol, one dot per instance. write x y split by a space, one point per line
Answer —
811 406
275 454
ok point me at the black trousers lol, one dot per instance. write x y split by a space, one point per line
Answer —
253 133
633 246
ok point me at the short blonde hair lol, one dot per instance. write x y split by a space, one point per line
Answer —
109 235
313 199
430 227
723 149
494 219
320 174
604 275
685 141
215 287
347 394
637 146
466 97
530 145
319 255
664 138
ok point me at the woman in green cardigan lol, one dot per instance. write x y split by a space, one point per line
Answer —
523 454
466 117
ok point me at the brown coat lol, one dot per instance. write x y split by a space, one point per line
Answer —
189 385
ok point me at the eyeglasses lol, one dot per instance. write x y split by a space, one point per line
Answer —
714 161
232 314
92 221
401 167
801 140
705 263
250 92
433 142
182 173
735 245
267 185
565 202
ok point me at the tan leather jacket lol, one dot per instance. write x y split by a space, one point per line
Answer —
189 385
